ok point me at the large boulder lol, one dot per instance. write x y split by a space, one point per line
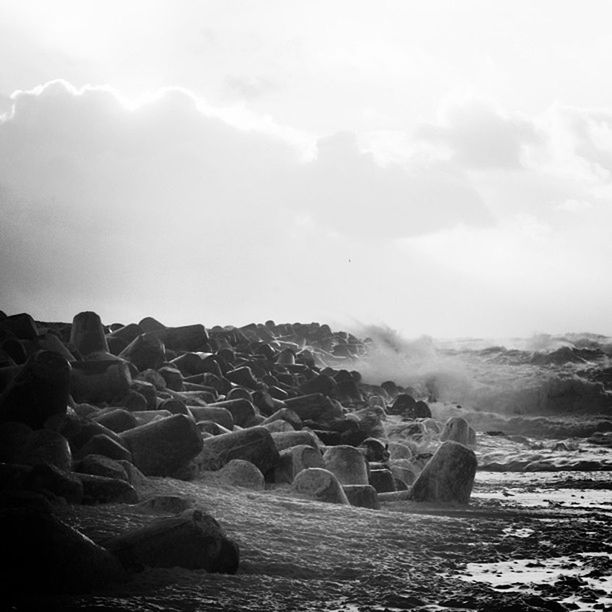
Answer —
38 392
315 407
146 351
295 459
46 446
254 444
100 381
46 555
321 485
347 463
87 334
456 429
193 540
448 477
161 447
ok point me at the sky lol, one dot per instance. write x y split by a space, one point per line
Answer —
442 168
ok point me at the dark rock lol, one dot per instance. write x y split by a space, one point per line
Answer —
102 444
87 334
43 477
99 465
243 376
161 447
321 485
116 419
146 351
316 407
99 381
13 437
254 444
46 446
21 325
382 480
287 439
242 410
57 557
217 414
102 490
448 476
295 459
363 496
193 540
38 392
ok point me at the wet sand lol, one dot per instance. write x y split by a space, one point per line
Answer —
529 541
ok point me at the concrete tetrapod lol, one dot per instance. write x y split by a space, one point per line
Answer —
347 463
448 477
161 447
193 540
321 485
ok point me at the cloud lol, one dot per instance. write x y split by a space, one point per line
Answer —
479 136
171 207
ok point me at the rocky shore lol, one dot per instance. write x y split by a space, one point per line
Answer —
153 467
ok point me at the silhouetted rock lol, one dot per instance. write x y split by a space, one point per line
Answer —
38 392
193 540
87 334
51 557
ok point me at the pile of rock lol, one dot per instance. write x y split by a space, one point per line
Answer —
88 412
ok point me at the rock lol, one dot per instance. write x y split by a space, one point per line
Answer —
46 446
456 429
295 459
146 351
117 419
172 377
278 426
21 325
134 476
161 447
347 464
283 440
144 417
183 338
58 558
254 444
119 338
448 476
286 415
102 444
217 414
404 470
382 480
240 473
315 407
43 477
102 490
363 496
38 392
87 334
404 405
13 437
242 410
321 485
193 540
99 465
374 449
99 381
